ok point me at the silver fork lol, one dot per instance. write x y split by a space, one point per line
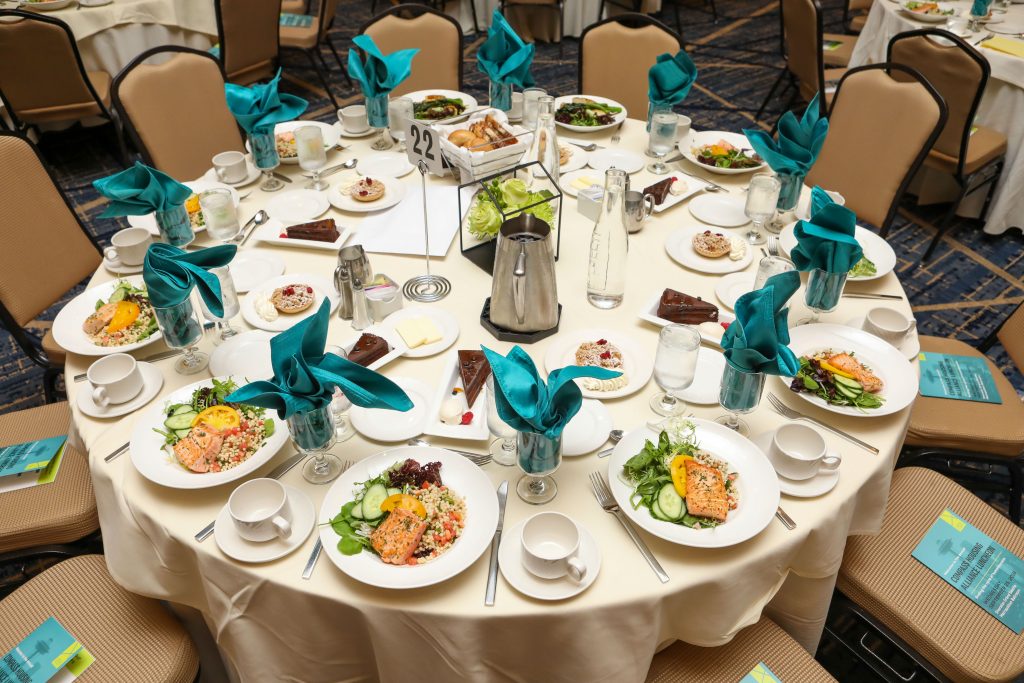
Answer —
475 458
319 546
606 501
618 134
773 246
784 410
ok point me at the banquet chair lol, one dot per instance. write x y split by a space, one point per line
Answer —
556 6
247 32
638 6
438 37
41 525
972 441
855 14
189 85
973 154
307 40
133 638
57 245
439 5
880 130
764 642
604 72
295 6
897 616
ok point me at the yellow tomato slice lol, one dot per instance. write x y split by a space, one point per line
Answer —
127 312
218 417
834 370
192 204
406 502
678 470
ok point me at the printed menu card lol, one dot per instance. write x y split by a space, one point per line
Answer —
761 674
31 463
49 653
962 378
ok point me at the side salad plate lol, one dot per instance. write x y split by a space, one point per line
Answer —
115 317
721 152
879 257
588 113
607 349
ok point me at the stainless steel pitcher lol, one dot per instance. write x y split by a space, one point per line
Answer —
352 263
524 293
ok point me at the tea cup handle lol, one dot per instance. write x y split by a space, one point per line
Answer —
99 397
576 569
830 462
219 172
648 205
282 526
110 253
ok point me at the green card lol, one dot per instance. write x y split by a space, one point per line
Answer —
761 674
961 378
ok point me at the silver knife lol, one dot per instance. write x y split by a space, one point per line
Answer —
492 572
313 557
116 452
277 473
282 177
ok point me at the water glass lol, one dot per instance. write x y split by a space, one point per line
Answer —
309 142
675 365
662 139
500 95
264 154
503 449
739 394
174 226
181 329
219 214
377 116
312 431
229 298
530 97
539 457
822 293
400 112
769 266
762 198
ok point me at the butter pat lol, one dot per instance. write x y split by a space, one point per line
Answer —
583 182
418 332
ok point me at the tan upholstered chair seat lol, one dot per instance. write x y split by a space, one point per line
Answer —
298 36
100 81
762 642
982 427
293 6
962 640
59 512
985 145
841 55
52 349
133 638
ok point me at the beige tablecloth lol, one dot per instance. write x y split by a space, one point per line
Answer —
273 626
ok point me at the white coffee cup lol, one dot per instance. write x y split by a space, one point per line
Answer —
888 324
682 127
516 112
260 510
353 118
114 379
798 452
230 167
129 246
551 544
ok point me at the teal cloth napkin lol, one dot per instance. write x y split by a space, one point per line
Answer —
799 141
756 341
381 73
140 190
260 107
171 273
826 241
504 57
670 79
305 377
979 8
528 404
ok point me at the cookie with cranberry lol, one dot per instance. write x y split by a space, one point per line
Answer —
293 298
367 190
711 244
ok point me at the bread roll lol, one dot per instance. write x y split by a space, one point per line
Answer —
480 145
461 138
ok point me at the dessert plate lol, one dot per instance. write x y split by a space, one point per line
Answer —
587 430
271 233
340 198
298 206
710 332
380 424
722 212
322 287
679 246
731 287
637 362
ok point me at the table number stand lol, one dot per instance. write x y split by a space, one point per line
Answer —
429 287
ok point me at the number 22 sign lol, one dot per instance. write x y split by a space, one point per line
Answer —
421 144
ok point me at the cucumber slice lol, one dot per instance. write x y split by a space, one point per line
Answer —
671 503
183 408
846 391
847 382
658 513
182 433
394 491
180 420
357 510
375 495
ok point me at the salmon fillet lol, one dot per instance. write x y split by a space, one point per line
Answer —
705 492
95 323
847 363
197 450
396 538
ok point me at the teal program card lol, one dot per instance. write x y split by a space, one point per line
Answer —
977 566
761 674
962 378
29 456
44 653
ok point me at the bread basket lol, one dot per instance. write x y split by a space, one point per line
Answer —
474 163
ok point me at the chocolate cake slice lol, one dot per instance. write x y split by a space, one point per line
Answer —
686 309
368 348
319 231
473 369
659 190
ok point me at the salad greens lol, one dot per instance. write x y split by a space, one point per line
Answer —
863 268
436 108
817 377
586 112
511 195
180 416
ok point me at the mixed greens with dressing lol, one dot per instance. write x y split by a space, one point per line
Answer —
512 195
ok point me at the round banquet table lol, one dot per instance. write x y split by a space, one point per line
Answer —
1001 108
270 625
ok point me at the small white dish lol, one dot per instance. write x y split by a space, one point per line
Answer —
387 164
238 548
444 320
250 269
650 314
298 206
707 379
602 159
637 359
722 212
245 355
679 246
588 429
380 424
693 186
910 347
349 135
322 287
565 180
450 378
339 197
152 382
578 158
148 221
731 287
511 564
117 268
271 233
818 485
252 175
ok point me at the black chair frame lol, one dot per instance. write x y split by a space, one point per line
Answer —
630 19
313 53
18 566
434 5
637 5
417 9
820 40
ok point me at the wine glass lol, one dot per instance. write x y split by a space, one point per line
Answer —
739 394
377 116
663 139
762 198
219 214
539 457
822 293
675 365
181 329
229 297
314 435
503 448
400 112
309 142
343 430
264 155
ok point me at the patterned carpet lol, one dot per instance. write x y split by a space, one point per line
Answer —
972 283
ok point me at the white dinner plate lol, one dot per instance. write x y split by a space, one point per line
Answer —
67 326
49 6
602 159
707 380
731 287
157 463
444 320
718 210
450 378
679 246
876 249
578 158
910 347
148 221
710 332
271 233
757 485
329 131
930 18
510 560
818 485
459 475
322 287
251 268
468 101
382 424
298 206
252 174
566 180
637 361
889 364
234 546
245 355
710 137
337 194
587 430
619 118
386 164
94 3
152 382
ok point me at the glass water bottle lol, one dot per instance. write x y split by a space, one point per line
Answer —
606 273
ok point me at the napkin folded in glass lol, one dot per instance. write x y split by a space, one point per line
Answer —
504 57
140 190
670 79
757 341
259 107
826 241
798 143
171 273
381 73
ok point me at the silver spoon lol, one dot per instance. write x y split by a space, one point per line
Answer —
259 219
614 436
586 148
351 163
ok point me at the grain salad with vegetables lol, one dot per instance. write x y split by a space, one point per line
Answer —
125 317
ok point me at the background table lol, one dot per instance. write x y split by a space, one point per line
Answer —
1001 108
273 626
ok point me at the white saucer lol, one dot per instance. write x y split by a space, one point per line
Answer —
910 347
243 355
722 212
817 485
588 429
707 380
250 269
731 287
251 176
118 268
387 164
298 206
381 424
510 562
236 547
350 135
152 382
603 159
444 320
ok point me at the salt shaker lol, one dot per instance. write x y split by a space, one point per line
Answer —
360 310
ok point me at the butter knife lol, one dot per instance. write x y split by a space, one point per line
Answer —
282 177
492 572
277 473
